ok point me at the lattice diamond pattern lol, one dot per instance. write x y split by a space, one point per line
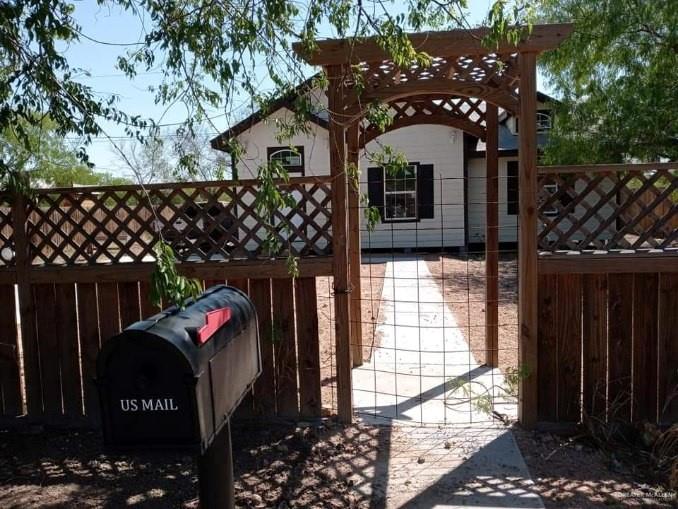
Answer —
469 113
493 70
609 211
216 222
6 234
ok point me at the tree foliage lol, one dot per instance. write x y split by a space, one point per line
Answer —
47 160
617 76
209 53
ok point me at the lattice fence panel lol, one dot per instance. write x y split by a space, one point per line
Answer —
6 235
609 210
203 222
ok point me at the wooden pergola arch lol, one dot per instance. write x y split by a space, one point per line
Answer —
464 113
461 67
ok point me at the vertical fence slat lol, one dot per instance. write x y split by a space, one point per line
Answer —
309 348
109 310
569 347
620 334
147 308
48 346
547 374
88 326
644 405
128 295
667 375
67 333
595 344
10 395
264 387
285 348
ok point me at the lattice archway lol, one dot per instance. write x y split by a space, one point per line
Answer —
464 113
361 72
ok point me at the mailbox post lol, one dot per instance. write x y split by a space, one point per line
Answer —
173 381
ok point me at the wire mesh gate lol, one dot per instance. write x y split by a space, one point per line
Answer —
423 309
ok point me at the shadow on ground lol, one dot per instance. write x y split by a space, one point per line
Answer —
282 466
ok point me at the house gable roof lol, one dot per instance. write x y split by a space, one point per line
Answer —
220 142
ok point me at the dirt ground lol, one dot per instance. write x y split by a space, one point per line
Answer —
462 282
372 279
321 465
569 473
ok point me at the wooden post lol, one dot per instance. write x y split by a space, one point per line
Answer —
354 246
527 242
340 268
22 261
491 237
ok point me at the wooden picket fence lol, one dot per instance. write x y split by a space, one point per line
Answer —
73 320
78 273
608 293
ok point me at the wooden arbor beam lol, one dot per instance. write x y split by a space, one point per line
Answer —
354 255
492 237
527 240
340 262
448 43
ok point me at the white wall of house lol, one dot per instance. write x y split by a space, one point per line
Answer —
426 144
443 148
508 224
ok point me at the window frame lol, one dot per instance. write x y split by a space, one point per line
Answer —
408 219
553 212
297 150
544 114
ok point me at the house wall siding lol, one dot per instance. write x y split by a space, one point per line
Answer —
508 224
427 144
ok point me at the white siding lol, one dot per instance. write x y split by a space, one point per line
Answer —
426 144
443 148
508 231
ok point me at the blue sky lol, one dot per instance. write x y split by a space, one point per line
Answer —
117 28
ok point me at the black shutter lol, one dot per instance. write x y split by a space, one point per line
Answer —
512 197
375 189
425 193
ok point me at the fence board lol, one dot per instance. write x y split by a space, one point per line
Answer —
147 307
620 313
69 361
90 341
109 310
547 354
48 346
309 349
595 344
264 387
130 310
644 405
667 375
285 348
10 395
569 347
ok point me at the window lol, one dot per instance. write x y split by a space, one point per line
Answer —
544 120
408 196
400 195
512 188
550 190
290 158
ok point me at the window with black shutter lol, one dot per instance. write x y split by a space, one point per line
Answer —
512 188
402 197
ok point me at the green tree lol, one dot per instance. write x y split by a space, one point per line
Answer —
209 53
46 158
617 78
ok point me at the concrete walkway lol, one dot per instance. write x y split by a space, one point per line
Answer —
423 371
423 374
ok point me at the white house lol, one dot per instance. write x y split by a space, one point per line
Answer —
438 202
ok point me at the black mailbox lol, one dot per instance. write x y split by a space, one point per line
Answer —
172 381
